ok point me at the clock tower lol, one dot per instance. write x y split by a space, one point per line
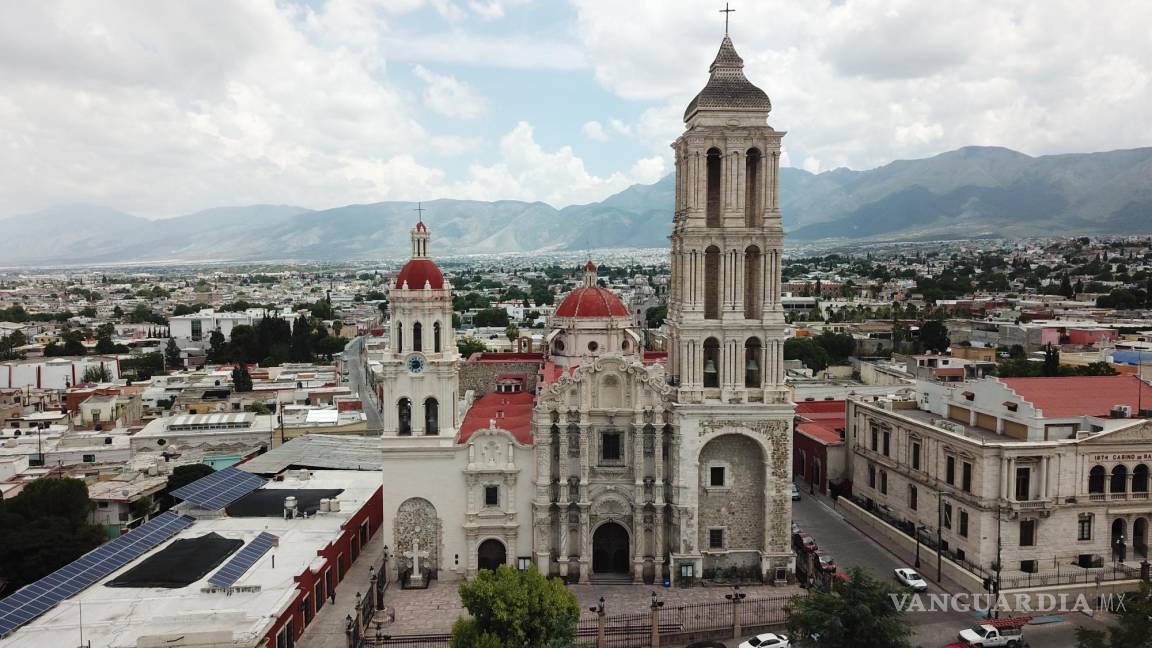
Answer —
419 379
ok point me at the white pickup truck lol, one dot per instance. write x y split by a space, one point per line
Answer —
987 636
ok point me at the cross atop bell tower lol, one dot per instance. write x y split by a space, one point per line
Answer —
726 11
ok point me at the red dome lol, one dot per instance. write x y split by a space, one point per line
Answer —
417 272
590 266
592 302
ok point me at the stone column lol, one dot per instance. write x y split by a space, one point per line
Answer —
585 545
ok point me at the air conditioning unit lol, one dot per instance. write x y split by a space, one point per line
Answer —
1121 411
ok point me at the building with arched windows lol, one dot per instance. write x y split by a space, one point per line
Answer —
594 459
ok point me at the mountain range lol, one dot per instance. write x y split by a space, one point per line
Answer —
973 192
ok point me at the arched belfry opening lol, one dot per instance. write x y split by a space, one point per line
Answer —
712 282
712 210
753 182
753 282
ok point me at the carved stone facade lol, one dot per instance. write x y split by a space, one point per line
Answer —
417 525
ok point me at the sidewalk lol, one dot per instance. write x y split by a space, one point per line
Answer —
328 629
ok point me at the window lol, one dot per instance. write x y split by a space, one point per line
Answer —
950 470
1084 527
712 282
753 205
913 497
436 337
491 496
319 592
197 330
404 417
947 516
89 458
610 446
417 337
306 605
716 476
1096 479
752 363
752 281
592 346
964 523
871 476
399 337
712 206
966 477
1023 477
715 538
431 416
887 442
1028 566
875 439
915 455
1027 533
884 482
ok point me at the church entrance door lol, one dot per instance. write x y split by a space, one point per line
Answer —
610 549
491 555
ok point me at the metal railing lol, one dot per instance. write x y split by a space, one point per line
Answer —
1070 575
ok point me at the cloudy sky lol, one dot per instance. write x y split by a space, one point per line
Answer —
165 107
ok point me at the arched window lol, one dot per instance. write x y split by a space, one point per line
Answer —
1119 479
399 337
404 415
417 337
753 271
1096 479
1140 479
753 205
711 363
752 363
436 337
712 209
431 416
712 282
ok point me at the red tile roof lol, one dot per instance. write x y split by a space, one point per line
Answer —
592 302
949 371
492 357
418 272
655 356
1067 397
512 412
822 420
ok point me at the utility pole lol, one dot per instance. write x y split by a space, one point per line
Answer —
940 538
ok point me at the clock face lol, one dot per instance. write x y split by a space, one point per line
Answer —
415 363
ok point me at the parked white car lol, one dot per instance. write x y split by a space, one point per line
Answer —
910 578
767 640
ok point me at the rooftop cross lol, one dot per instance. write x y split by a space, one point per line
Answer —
726 11
420 211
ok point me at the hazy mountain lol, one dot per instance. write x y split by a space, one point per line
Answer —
970 192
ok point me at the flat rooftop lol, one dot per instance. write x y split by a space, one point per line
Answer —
118 617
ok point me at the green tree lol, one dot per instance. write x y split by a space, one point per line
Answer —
512 332
182 476
840 346
839 617
516 609
44 528
806 350
497 317
172 354
217 346
467 345
1131 629
301 344
655 316
934 336
96 374
1051 366
241 379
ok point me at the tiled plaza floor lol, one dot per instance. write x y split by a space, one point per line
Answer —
434 610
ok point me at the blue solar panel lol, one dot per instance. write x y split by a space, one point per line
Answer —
221 488
37 598
243 560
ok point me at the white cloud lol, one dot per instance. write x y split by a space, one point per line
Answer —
594 130
864 82
448 96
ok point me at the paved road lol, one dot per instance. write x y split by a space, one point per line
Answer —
355 363
851 548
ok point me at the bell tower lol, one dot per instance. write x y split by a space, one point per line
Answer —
726 326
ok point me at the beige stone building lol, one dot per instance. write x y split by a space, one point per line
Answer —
1048 474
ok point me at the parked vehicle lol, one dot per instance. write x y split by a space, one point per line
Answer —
911 579
795 493
802 542
825 562
995 633
767 640
795 528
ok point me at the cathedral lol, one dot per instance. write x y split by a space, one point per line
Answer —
594 459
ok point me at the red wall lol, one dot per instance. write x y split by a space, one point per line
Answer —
373 512
812 450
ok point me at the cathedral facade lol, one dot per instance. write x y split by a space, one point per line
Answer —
593 459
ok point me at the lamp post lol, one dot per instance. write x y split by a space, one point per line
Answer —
940 537
655 608
601 642
919 528
736 596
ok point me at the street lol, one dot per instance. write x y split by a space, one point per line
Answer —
355 363
932 629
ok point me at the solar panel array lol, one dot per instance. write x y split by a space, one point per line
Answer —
37 598
243 560
221 488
